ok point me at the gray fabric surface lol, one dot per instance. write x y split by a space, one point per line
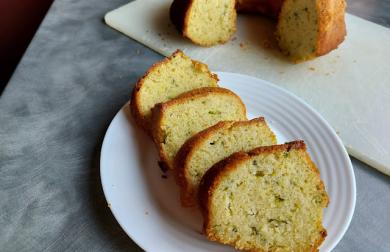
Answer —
76 74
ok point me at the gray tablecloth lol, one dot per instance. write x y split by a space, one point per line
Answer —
74 77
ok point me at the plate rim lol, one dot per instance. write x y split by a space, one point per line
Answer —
345 155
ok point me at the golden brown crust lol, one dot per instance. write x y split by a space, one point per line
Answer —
187 150
215 174
136 99
159 109
331 27
295 145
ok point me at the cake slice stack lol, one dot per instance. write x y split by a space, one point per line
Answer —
254 195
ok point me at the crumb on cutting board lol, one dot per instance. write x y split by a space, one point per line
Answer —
267 44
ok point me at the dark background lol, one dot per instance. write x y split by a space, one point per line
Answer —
19 19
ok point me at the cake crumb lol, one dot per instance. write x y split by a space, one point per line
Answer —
267 44
146 213
109 205
164 176
234 39
312 68
244 45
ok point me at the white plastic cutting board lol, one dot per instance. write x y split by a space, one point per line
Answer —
350 86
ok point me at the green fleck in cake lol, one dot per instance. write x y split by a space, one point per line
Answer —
269 199
179 119
165 80
205 22
213 144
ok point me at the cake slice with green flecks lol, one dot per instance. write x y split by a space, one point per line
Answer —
179 119
268 199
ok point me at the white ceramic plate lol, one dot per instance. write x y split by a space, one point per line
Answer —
146 205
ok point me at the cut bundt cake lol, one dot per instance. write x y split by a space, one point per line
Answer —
305 28
308 28
213 144
204 22
166 80
179 119
269 199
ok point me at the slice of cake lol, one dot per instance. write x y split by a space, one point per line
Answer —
213 144
179 119
269 199
308 28
166 80
204 22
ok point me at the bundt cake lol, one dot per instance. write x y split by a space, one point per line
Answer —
166 80
213 144
308 28
179 119
305 28
269 199
204 22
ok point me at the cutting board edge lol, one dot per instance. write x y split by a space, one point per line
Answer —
367 160
107 20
